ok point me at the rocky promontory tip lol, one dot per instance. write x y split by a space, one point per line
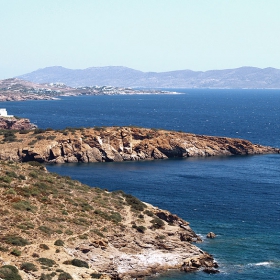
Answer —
120 144
13 123
54 228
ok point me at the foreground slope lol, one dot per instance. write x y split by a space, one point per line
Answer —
118 144
55 228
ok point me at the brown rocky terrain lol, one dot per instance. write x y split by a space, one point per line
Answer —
119 144
52 227
14 123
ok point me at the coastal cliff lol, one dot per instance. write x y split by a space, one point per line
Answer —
120 144
13 123
55 228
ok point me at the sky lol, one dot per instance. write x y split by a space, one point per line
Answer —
147 35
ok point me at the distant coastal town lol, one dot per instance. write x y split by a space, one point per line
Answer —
19 90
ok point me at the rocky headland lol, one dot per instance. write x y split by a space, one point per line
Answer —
14 123
52 227
119 144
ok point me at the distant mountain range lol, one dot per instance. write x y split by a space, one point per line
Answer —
243 77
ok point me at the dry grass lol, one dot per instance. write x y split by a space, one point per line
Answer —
40 211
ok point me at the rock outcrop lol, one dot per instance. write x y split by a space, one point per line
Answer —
211 235
122 144
16 123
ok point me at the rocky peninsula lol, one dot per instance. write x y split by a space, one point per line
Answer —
55 228
119 144
14 123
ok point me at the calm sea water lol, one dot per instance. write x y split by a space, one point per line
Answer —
236 197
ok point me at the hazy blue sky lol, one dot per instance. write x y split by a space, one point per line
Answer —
148 35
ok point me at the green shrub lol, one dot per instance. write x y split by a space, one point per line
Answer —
59 242
134 202
3 249
46 262
34 163
161 237
84 236
24 131
22 177
95 275
15 240
149 213
9 136
112 216
69 232
6 179
44 247
64 276
157 223
23 205
16 252
45 229
46 276
11 191
40 137
28 267
51 137
38 131
26 226
96 231
141 229
33 142
34 174
11 174
11 267
79 263
86 207
9 272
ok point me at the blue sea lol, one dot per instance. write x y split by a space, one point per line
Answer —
236 197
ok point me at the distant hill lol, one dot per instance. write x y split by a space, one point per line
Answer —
244 77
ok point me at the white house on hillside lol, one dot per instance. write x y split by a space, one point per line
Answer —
3 113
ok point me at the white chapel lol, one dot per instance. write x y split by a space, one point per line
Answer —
3 113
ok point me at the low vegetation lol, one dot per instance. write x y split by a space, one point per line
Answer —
9 272
42 214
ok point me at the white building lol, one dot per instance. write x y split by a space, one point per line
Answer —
3 113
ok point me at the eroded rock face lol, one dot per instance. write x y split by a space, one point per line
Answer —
16 124
124 144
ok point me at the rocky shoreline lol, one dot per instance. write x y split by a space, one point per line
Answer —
52 226
13 123
120 144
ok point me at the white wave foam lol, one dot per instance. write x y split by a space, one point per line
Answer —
263 264
260 264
